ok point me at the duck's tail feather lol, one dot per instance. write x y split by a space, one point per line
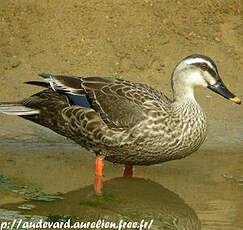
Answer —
38 83
16 108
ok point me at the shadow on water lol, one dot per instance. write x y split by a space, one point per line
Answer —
129 199
210 181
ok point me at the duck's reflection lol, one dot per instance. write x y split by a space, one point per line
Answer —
129 199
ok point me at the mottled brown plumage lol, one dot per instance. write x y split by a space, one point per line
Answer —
122 121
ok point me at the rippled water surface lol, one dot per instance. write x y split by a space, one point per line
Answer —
203 191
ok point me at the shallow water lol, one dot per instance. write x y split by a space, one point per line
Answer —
204 189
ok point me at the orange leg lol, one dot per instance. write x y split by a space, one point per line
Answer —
128 171
99 165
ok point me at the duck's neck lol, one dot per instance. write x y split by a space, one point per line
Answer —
184 101
185 105
184 95
188 109
182 92
190 118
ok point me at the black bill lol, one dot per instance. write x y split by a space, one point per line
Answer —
220 88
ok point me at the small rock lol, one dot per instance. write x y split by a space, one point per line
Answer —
157 65
164 41
14 62
228 176
140 60
26 207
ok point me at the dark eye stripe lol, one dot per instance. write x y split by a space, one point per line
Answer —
205 67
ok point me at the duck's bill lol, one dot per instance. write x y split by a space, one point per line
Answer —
220 88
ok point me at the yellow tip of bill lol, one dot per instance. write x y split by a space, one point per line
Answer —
235 100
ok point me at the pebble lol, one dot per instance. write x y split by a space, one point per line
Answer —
14 62
226 175
26 207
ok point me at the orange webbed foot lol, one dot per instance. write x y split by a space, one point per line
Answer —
98 183
128 171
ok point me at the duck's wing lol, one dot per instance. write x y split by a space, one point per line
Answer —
119 103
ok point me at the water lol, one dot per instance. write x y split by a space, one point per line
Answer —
204 189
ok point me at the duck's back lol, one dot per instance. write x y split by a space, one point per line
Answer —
121 103
118 104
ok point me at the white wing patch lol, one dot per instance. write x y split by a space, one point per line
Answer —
17 109
57 85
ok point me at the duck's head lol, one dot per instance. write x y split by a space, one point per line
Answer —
198 70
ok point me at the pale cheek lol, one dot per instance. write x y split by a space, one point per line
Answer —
196 79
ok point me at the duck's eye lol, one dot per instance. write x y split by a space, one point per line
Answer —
204 66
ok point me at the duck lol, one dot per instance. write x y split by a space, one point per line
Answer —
125 122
